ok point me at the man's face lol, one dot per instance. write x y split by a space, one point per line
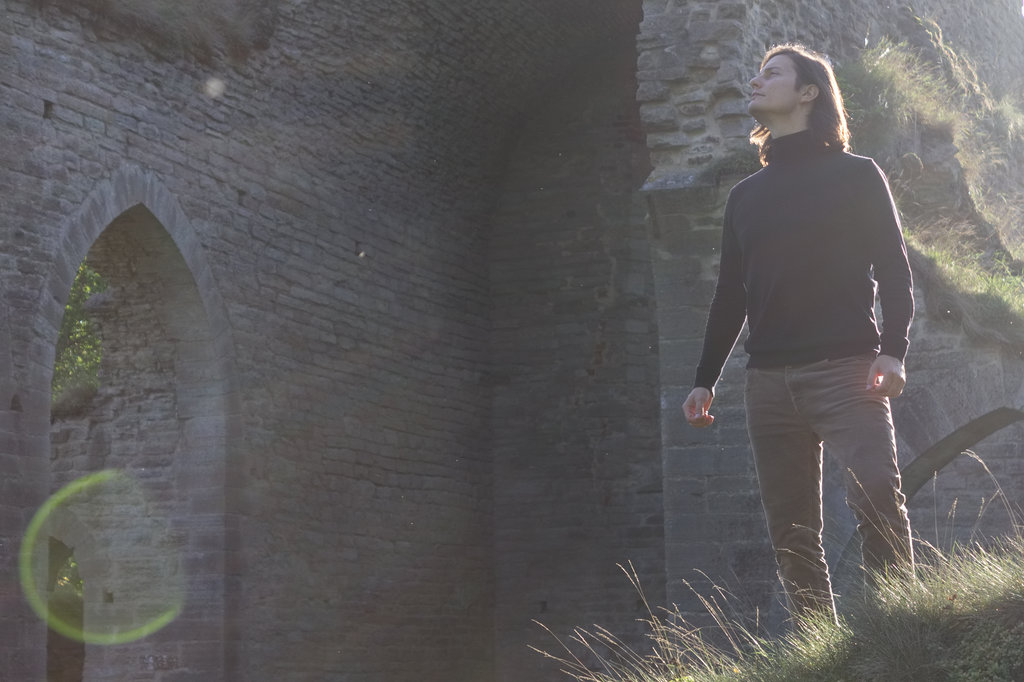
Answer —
775 94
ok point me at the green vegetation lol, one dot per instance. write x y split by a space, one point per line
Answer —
960 618
954 153
77 363
68 579
961 212
985 293
891 91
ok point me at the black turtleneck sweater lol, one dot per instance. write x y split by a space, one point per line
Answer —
806 241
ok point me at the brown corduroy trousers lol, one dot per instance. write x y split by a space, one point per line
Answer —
791 412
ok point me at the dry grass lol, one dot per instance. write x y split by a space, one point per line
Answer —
958 619
890 92
983 291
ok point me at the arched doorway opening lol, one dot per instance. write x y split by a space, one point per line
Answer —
156 415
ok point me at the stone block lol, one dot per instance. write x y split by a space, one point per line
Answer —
737 127
728 11
660 118
723 31
683 322
694 126
693 109
660 141
652 91
732 106
698 454
657 60
666 74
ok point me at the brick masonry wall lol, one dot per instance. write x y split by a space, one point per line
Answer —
21 486
155 417
713 521
336 194
574 427
351 203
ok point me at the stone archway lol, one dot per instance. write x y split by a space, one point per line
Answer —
163 414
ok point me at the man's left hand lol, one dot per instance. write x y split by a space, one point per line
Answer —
887 376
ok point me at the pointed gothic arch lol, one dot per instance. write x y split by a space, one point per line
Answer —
166 408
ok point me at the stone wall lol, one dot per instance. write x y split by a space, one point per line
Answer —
694 60
714 530
330 199
391 338
574 347
958 380
158 417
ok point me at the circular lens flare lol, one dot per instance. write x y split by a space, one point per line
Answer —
130 565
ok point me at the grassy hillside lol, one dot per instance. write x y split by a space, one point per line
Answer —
954 153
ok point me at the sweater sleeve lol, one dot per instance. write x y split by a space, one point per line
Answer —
890 264
728 310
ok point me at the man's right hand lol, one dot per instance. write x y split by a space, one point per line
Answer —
696 406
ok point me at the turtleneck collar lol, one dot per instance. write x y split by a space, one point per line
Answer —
795 147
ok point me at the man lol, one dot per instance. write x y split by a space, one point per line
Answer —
806 241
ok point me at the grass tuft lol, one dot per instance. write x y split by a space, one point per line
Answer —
891 90
954 153
983 291
959 618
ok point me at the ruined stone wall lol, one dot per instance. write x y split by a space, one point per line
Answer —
969 500
154 418
330 197
693 63
695 59
426 372
577 465
714 529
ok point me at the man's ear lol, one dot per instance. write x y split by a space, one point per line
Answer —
810 93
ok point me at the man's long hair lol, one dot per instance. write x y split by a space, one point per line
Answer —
827 121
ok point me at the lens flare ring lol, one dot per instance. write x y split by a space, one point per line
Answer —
37 599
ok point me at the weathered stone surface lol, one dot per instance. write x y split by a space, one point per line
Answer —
659 118
303 394
652 91
395 347
732 106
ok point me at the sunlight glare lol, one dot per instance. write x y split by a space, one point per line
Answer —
130 567
214 87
